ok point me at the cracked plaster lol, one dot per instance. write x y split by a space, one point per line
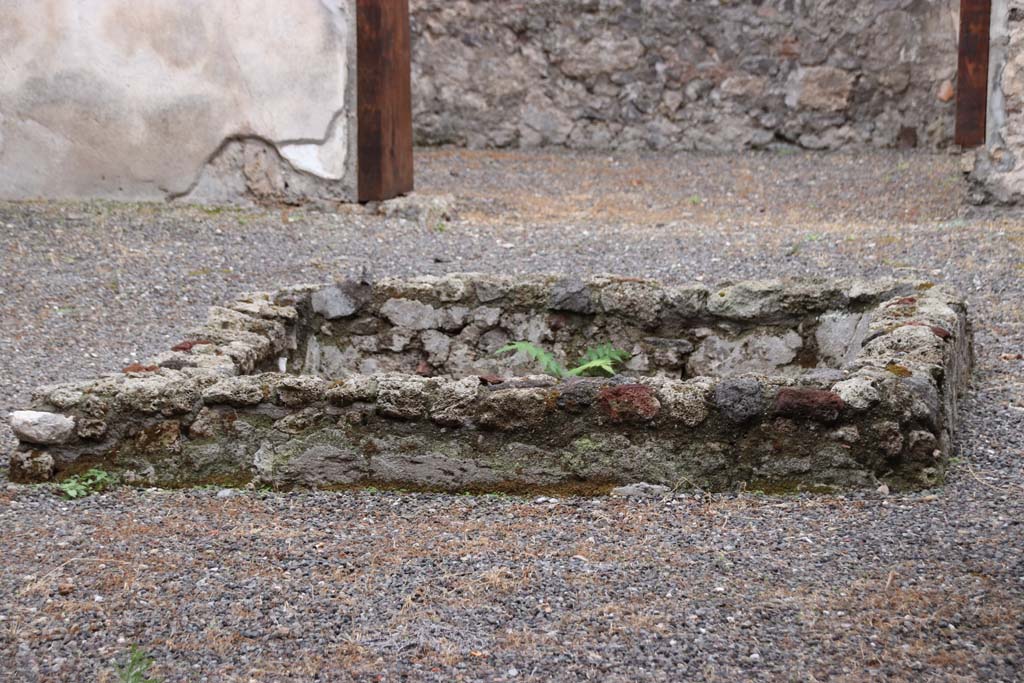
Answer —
152 99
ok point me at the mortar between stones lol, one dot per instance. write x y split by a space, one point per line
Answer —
773 385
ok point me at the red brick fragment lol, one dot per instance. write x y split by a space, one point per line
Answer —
809 404
187 345
138 367
940 332
628 403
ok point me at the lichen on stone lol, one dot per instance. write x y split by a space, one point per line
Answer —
405 389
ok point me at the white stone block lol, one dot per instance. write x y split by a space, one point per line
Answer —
42 428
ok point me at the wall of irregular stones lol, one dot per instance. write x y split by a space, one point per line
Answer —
665 74
222 406
997 169
455 327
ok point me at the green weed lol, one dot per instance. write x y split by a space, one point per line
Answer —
85 484
136 669
600 359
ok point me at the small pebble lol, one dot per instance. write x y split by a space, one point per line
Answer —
641 490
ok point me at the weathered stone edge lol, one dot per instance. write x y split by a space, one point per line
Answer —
919 343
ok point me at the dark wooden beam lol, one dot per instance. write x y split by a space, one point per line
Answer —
384 93
972 72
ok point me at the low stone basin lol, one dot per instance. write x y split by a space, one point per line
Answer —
769 385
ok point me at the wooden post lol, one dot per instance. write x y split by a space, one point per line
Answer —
384 94
972 72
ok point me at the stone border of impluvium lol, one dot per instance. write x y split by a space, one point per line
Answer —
220 409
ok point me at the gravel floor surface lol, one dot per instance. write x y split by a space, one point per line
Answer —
258 586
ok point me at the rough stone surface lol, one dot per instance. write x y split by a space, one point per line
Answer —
663 74
685 402
410 393
740 400
571 294
840 335
442 326
237 391
429 211
207 102
340 300
410 314
628 403
997 168
808 403
38 427
764 353
824 88
857 392
641 490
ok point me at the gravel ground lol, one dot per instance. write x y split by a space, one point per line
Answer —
256 586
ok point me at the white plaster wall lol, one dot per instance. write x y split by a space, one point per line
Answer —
217 100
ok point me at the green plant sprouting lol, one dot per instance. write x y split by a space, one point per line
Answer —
544 359
136 669
89 482
601 358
